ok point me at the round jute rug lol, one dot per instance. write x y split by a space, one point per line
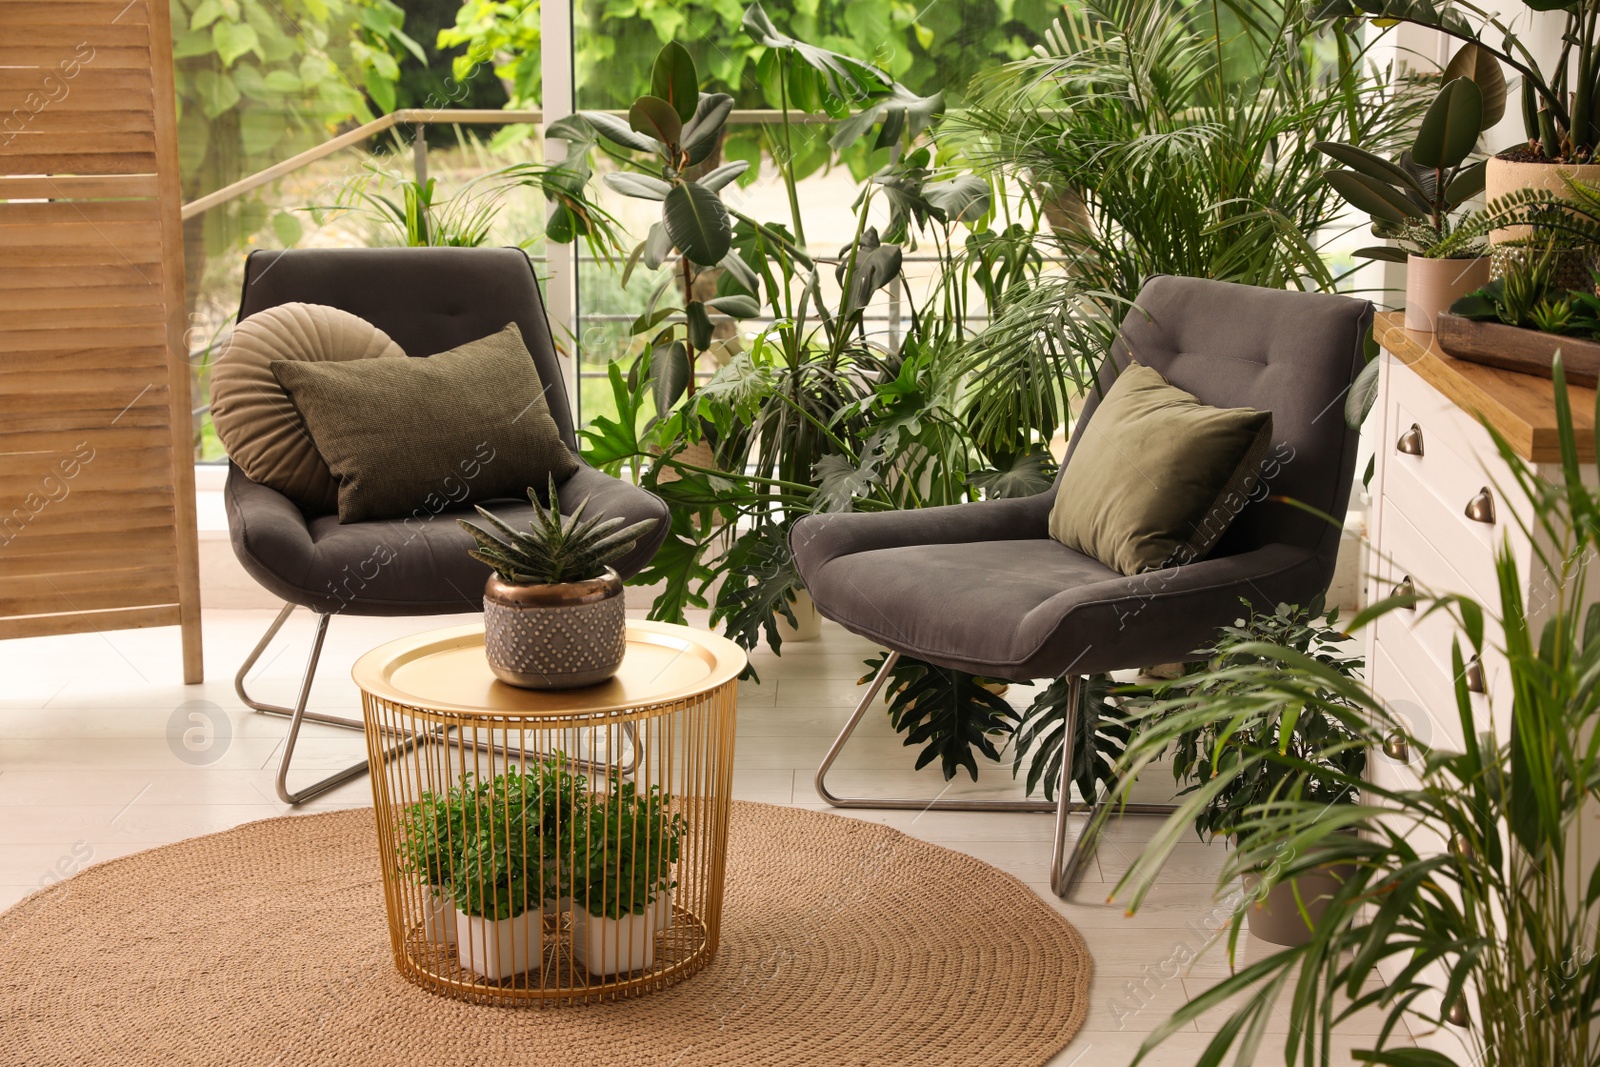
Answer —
844 942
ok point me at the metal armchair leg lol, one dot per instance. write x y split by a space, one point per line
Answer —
1065 868
298 714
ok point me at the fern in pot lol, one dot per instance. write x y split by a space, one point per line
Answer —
553 612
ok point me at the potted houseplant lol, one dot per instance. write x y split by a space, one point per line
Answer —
1558 105
1522 319
1320 758
626 845
1412 199
553 613
1492 935
431 835
498 872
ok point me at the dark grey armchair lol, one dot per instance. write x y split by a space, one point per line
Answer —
982 588
428 300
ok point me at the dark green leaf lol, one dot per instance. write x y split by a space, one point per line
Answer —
699 324
736 306
669 375
1450 128
698 224
1467 184
1384 253
1364 162
616 130
1474 61
724 174
701 133
1376 198
655 118
1015 474
673 79
638 186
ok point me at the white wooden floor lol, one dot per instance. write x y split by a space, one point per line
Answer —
93 765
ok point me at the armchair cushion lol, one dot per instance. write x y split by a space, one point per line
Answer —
467 424
255 419
1158 476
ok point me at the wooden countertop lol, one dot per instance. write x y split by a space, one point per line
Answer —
1520 406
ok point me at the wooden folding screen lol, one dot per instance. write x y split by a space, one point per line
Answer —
97 519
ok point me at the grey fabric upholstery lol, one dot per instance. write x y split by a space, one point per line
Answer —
981 587
428 300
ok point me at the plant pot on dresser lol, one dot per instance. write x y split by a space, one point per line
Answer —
1443 503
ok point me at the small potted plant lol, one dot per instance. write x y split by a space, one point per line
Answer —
431 834
498 872
626 846
1412 199
1204 746
553 615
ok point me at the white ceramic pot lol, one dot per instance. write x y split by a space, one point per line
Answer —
1505 176
617 946
1432 285
500 948
438 918
805 614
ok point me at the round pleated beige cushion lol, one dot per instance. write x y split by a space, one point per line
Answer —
256 421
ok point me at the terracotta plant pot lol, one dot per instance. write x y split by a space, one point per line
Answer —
554 636
1432 285
1505 176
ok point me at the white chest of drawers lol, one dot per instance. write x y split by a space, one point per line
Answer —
1444 503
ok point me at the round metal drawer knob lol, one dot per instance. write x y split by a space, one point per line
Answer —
1406 588
1481 507
1411 441
1457 1015
1474 676
1397 748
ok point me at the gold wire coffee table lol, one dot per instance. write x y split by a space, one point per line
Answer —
552 846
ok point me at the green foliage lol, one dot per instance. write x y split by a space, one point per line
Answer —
1159 138
1558 106
627 842
555 548
948 712
495 845
419 217
1320 759
1527 296
258 81
1411 198
1101 735
1503 920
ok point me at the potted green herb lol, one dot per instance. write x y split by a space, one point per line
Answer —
1522 319
497 871
1412 200
1320 757
431 836
553 615
626 844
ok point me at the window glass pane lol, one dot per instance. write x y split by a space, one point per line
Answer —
260 81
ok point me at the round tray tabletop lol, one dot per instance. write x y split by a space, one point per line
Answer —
445 670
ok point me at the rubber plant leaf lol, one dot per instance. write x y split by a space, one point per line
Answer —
1451 126
698 223
674 79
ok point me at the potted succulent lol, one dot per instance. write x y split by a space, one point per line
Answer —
626 845
1321 756
1522 319
1412 199
553 614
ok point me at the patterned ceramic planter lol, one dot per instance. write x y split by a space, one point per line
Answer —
554 636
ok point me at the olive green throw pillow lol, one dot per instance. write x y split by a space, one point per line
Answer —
1157 476
412 436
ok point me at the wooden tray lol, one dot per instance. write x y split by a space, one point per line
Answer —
1513 348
